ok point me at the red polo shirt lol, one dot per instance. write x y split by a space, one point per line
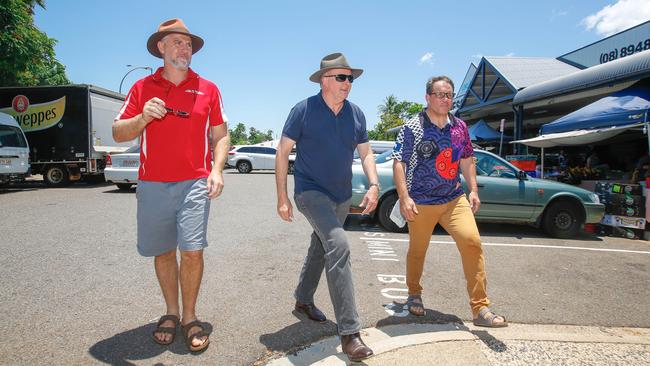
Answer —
176 148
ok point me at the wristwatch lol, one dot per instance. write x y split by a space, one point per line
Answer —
376 185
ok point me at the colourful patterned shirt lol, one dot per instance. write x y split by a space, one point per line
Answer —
432 156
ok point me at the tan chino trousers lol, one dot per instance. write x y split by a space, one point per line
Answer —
457 219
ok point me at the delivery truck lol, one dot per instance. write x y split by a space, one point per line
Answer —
68 129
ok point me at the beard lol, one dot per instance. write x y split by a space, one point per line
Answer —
180 63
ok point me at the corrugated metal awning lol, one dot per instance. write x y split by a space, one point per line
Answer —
628 68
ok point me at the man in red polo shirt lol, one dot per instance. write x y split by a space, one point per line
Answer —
178 116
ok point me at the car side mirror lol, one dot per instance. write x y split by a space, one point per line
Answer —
521 175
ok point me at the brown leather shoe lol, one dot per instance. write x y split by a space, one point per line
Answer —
311 311
354 347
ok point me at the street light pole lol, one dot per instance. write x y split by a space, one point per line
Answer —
133 69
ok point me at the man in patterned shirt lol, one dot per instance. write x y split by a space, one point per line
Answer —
428 152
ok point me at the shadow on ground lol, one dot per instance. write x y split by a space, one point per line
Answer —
137 345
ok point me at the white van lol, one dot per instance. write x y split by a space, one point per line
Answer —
14 150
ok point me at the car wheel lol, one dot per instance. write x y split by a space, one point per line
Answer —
290 167
385 207
563 220
124 186
57 176
244 166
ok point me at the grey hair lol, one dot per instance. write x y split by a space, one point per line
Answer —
435 79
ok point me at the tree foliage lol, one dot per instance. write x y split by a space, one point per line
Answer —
238 135
27 55
393 113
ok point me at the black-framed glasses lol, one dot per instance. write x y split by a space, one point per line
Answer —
441 95
341 77
177 112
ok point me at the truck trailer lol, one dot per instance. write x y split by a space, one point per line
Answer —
68 129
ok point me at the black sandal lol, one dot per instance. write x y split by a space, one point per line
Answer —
166 330
189 338
412 305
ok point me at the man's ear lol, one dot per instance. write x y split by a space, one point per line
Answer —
161 47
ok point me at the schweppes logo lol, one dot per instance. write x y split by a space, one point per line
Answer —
35 117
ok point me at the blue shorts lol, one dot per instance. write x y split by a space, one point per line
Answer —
172 215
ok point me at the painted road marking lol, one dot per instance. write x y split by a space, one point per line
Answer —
527 246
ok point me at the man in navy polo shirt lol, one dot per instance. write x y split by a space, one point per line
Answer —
326 129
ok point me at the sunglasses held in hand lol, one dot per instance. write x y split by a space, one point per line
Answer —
177 112
341 77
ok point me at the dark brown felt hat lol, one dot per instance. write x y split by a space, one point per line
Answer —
168 27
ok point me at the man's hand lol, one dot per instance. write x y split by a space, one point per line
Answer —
408 209
215 184
370 200
474 201
154 108
285 210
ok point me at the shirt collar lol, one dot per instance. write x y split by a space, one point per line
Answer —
157 76
424 117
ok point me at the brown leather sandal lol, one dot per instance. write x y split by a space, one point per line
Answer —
166 330
189 338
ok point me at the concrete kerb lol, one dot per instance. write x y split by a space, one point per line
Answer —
395 337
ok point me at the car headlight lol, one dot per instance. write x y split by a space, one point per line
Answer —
594 198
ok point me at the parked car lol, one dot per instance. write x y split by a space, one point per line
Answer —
508 195
247 158
122 168
14 151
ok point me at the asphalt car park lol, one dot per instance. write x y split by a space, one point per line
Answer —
71 274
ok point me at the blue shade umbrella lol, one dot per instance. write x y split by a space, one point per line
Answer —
625 107
482 132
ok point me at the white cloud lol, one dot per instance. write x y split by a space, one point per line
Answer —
620 16
427 58
557 13
510 54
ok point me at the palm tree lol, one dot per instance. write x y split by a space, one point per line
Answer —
390 106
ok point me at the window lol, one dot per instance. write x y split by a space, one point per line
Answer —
491 166
11 136
245 150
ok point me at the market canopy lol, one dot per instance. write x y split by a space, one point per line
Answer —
601 120
482 132
572 138
625 107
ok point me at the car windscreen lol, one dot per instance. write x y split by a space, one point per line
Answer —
11 136
384 157
133 149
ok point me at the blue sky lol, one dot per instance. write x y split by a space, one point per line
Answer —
261 53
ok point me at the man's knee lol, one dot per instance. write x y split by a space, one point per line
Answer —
192 256
339 244
167 256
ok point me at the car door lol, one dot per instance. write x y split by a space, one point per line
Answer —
503 195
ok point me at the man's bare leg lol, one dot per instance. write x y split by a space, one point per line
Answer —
167 273
191 273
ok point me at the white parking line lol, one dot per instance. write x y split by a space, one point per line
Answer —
526 246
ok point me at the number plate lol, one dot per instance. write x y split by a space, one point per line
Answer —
131 163
5 161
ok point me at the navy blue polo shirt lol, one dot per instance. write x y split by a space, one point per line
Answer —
325 145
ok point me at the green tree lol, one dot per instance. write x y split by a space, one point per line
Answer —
393 113
27 54
238 135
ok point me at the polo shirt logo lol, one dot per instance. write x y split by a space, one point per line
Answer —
194 91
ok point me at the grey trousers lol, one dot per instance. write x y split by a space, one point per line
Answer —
329 249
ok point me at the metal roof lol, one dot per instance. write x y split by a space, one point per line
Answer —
522 72
628 68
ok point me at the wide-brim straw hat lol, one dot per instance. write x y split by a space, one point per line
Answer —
168 27
334 61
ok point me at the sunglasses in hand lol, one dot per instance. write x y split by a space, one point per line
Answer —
177 112
341 77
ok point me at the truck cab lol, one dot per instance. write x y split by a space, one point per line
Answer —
14 150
